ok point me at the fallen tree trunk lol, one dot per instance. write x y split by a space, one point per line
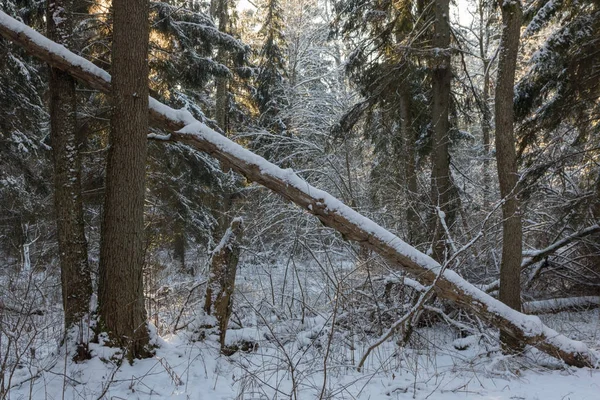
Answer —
561 304
450 286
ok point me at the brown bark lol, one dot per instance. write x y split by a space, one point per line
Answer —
485 129
76 282
484 36
221 280
596 215
596 202
450 287
506 159
440 106
410 168
120 290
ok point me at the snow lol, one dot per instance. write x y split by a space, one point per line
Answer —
541 18
253 334
56 16
182 116
182 369
288 176
549 305
226 239
532 326
57 49
406 281
560 243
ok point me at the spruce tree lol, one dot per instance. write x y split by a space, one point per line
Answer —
186 74
270 94
24 159
388 70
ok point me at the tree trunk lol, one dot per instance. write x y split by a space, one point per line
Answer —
595 262
72 245
440 170
410 168
120 292
331 212
221 280
179 244
485 129
485 108
512 235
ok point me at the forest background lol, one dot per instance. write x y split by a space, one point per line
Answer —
470 132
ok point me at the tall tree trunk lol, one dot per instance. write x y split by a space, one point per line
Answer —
485 130
120 292
440 171
72 245
512 235
220 11
595 262
484 10
410 168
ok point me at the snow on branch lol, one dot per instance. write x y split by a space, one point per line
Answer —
561 304
531 257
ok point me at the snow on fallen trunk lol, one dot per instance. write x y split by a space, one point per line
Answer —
332 212
561 304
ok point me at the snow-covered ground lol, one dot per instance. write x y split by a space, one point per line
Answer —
296 354
288 363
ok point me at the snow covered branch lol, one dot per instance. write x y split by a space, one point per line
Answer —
562 304
531 257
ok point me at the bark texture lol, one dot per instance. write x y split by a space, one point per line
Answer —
120 291
410 167
221 281
440 107
595 207
506 159
530 330
485 129
76 282
486 114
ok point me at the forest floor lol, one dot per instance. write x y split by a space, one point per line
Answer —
288 362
